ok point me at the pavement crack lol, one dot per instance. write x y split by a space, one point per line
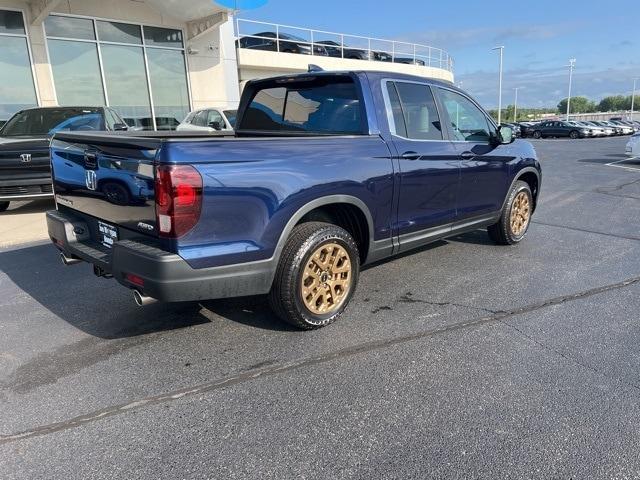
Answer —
409 298
584 230
276 369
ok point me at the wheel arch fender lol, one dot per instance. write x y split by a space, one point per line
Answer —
519 175
320 202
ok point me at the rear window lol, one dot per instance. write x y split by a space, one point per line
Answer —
327 106
49 121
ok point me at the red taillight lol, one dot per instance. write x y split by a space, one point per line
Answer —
178 199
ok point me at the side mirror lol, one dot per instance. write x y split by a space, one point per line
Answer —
120 127
215 125
506 135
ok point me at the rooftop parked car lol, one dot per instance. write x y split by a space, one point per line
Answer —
304 191
281 42
25 171
560 129
334 49
208 120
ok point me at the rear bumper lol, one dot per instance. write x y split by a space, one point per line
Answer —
25 189
164 276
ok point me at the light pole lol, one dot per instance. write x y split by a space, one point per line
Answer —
501 48
633 97
572 64
515 105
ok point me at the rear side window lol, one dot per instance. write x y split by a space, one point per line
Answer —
326 107
414 111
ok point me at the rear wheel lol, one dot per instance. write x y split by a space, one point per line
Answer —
516 216
316 276
4 206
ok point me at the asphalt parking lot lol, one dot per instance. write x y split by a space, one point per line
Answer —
463 360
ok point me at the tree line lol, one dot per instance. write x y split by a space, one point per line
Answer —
614 103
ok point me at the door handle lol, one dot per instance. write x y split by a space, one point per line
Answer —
468 155
410 156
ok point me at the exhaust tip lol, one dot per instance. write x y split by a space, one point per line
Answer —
142 300
68 260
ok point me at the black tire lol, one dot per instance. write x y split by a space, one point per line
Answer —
573 134
4 206
501 232
537 134
285 297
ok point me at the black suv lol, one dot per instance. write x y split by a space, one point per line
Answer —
560 129
25 172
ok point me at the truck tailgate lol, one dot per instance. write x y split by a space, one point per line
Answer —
110 178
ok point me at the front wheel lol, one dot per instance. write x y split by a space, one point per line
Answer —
516 216
537 134
4 206
573 134
316 275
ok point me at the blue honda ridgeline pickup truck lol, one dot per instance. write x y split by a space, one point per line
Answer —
326 171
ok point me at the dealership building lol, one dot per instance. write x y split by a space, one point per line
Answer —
155 60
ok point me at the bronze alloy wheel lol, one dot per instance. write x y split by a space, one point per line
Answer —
326 279
520 214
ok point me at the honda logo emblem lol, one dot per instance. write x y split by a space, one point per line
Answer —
90 179
25 158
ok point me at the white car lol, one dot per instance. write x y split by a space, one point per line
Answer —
209 120
633 146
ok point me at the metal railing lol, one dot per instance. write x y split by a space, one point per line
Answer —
256 35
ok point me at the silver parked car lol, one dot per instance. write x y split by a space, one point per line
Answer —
209 120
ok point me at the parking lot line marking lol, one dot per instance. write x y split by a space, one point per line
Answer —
111 411
614 164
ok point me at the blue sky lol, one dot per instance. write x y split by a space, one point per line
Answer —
540 36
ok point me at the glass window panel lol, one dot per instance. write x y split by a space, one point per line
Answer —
164 37
76 73
11 22
119 32
467 121
328 108
168 86
69 27
419 110
126 82
16 85
396 109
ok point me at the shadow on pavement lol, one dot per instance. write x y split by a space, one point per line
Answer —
35 206
105 309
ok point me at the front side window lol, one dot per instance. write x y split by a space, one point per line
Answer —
414 111
327 105
468 123
17 89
